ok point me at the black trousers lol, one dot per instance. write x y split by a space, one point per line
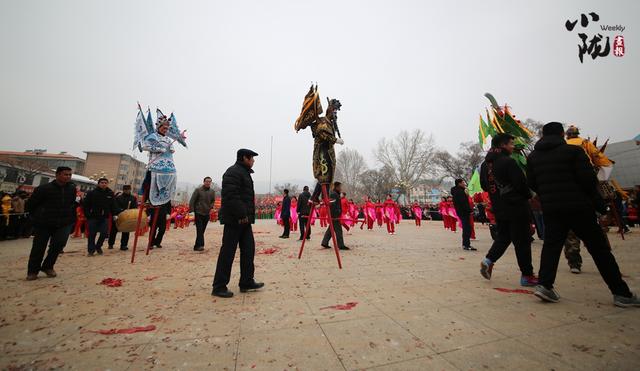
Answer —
42 235
337 226
286 221
161 222
465 220
586 227
516 231
124 239
304 224
201 226
232 236
97 225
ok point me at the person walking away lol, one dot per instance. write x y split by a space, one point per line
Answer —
98 206
335 211
237 214
285 214
303 209
463 210
568 187
201 203
506 184
123 201
52 209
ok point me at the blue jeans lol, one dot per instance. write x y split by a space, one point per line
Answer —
96 225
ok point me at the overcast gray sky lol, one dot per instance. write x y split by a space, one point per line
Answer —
235 73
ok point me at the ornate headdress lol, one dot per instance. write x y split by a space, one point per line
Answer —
162 119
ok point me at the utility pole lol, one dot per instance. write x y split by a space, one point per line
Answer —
270 163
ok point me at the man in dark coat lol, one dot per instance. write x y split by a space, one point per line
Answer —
463 209
52 208
568 187
285 214
201 203
123 201
304 209
506 184
98 206
335 212
237 214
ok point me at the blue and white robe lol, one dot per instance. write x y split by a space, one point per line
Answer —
162 168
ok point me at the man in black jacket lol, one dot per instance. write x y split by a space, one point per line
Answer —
201 203
285 214
98 207
567 184
123 201
52 210
463 209
237 214
303 209
506 184
335 210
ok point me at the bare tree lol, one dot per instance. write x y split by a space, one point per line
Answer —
22 170
293 188
377 183
349 168
409 156
535 127
469 157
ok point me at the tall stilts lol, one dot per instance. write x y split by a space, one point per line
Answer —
153 227
137 232
306 231
325 197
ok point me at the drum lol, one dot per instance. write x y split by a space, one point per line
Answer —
128 219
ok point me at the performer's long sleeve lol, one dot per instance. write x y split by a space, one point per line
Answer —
155 146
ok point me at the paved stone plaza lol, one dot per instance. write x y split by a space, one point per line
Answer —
421 305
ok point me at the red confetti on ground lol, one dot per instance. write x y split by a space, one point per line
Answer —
514 291
292 256
130 330
111 282
268 251
461 258
346 306
151 278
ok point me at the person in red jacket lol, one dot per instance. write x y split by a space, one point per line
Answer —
390 217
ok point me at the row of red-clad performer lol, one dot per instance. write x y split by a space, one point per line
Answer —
450 218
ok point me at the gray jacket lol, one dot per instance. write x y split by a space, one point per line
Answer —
202 200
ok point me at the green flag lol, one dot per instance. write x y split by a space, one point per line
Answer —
474 184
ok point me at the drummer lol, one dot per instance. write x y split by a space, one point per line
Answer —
124 201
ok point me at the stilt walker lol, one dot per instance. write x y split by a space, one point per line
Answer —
325 134
159 184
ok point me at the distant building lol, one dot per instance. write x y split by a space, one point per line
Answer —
39 160
426 194
626 155
13 177
119 168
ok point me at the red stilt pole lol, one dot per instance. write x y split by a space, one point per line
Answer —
306 231
137 233
325 196
153 228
